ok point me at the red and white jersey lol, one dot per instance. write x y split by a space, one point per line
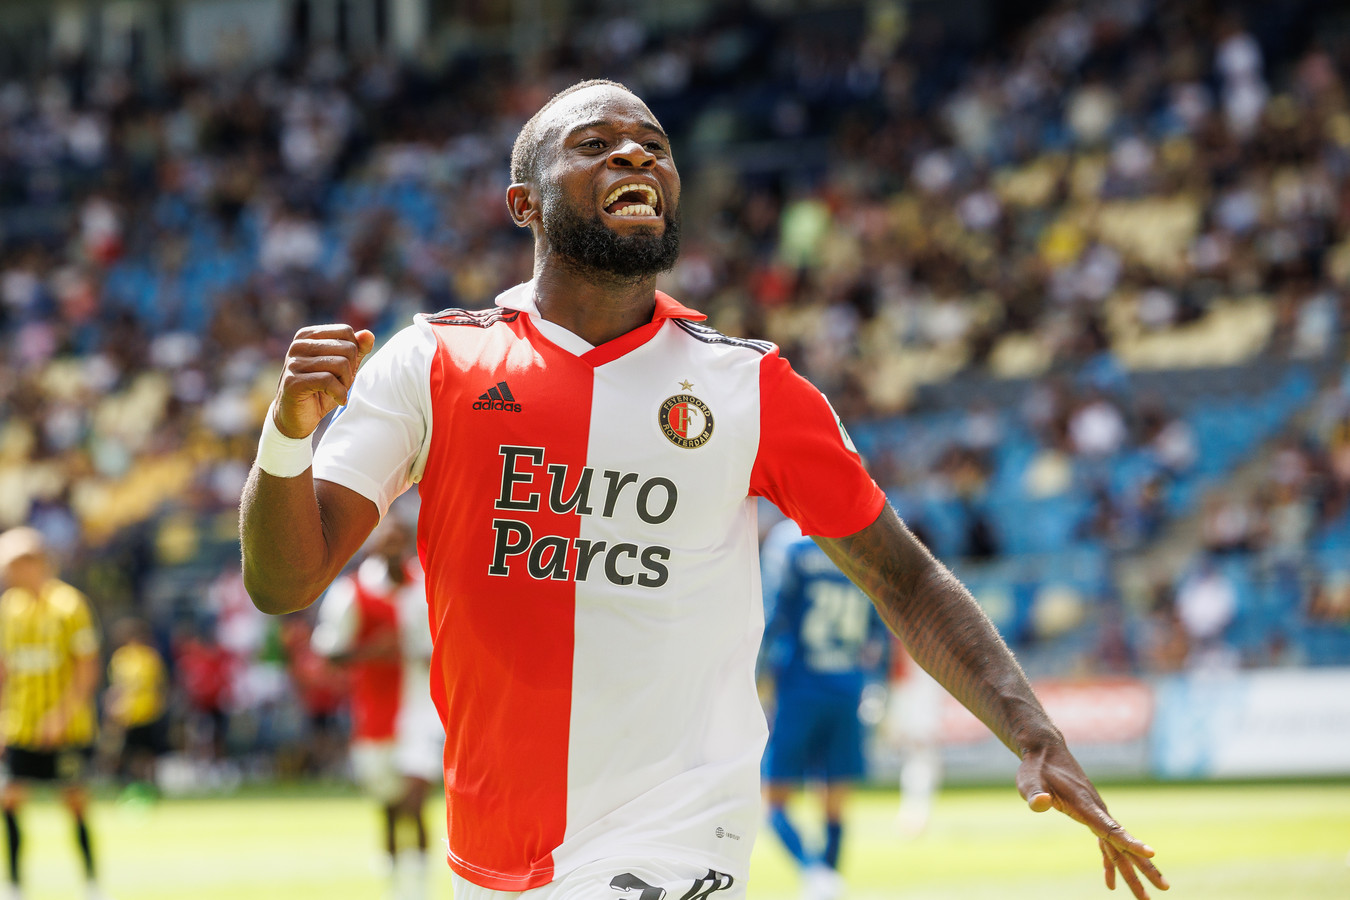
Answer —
588 531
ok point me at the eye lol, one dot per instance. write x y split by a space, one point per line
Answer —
592 144
655 147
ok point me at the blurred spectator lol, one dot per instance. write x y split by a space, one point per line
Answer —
1329 602
1170 439
1165 644
1096 427
1206 604
1228 523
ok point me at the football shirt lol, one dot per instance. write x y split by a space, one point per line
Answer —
588 531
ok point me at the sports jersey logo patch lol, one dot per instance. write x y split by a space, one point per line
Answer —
686 421
497 398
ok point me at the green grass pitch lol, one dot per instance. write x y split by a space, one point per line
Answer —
1236 842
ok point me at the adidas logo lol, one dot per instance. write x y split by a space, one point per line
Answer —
498 398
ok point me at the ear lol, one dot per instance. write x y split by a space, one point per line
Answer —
523 202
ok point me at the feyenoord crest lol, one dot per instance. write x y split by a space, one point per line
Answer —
686 421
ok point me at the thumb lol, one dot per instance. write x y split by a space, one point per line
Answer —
1031 784
365 342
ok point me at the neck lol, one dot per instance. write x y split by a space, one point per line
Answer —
32 585
593 305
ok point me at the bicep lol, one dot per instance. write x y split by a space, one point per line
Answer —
348 518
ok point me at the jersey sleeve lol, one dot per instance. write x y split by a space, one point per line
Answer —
807 464
377 444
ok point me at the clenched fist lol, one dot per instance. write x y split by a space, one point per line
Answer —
321 364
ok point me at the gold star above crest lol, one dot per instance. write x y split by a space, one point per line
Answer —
686 385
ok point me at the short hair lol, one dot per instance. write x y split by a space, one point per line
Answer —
20 542
525 151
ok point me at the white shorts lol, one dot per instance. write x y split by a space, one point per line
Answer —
421 742
380 767
618 880
375 771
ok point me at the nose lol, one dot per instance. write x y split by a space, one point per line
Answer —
630 154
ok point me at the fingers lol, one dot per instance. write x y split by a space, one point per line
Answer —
1126 862
1116 861
1133 852
1108 864
1152 873
335 340
326 365
1124 841
320 368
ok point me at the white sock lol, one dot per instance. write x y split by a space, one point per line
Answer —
410 874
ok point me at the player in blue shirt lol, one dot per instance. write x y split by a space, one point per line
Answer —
823 640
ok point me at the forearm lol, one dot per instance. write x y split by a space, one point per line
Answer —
945 630
82 685
948 634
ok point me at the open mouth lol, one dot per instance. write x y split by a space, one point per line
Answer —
633 200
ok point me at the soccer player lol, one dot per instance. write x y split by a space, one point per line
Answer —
375 621
135 704
589 456
49 660
822 641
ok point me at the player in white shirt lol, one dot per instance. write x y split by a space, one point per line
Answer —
589 457
374 621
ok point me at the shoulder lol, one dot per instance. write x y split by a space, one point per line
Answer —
68 600
472 318
461 330
708 335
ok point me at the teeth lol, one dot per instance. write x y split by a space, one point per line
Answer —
645 190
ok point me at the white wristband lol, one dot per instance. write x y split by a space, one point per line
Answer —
281 456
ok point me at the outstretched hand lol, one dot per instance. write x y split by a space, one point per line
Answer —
321 364
1051 777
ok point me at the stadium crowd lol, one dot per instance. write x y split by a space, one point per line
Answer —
978 248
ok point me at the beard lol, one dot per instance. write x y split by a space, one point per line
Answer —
586 243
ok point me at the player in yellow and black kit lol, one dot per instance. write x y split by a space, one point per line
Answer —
135 702
49 660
